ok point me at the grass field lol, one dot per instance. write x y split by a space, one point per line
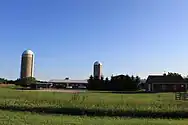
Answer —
93 101
110 107
26 118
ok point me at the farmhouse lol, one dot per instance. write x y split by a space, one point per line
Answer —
165 83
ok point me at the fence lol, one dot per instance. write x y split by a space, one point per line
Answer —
181 96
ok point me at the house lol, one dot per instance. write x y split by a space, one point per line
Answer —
166 83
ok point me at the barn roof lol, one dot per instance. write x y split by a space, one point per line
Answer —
164 79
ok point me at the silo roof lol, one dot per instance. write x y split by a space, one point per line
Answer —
28 52
97 63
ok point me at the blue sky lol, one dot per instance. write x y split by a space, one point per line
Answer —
138 37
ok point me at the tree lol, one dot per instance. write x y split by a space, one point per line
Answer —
96 84
3 80
102 77
171 74
26 82
117 83
137 79
90 82
124 83
106 80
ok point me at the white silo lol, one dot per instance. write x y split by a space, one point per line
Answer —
97 71
27 64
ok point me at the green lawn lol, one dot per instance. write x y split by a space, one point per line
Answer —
42 108
100 101
26 118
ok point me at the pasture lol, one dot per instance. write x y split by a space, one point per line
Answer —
86 107
27 118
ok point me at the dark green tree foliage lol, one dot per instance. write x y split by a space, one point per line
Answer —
3 81
95 84
117 83
10 82
26 82
172 74
6 81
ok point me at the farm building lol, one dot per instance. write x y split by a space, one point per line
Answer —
40 85
66 83
165 83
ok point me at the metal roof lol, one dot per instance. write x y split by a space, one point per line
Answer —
27 52
68 81
97 63
40 83
164 79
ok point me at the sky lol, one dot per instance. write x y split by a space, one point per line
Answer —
135 37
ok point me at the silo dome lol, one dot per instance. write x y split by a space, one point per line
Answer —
27 64
28 52
97 63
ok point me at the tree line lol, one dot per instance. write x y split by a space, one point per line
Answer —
116 83
6 81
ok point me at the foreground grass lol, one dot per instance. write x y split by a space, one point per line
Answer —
100 104
25 118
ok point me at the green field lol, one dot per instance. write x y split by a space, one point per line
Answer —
97 101
49 107
25 118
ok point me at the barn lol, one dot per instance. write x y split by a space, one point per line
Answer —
165 83
66 83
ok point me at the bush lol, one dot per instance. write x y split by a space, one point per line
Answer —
25 82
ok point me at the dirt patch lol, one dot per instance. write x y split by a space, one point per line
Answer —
6 85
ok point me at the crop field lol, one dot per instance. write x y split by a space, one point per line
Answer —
85 108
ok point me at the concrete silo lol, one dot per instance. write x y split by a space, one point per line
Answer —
27 64
97 71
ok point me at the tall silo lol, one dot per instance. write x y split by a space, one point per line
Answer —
97 71
27 64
